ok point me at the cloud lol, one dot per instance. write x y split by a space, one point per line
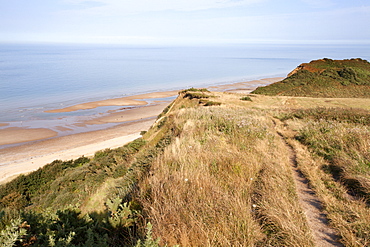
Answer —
141 6
319 3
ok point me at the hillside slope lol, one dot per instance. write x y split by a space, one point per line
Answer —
214 170
324 78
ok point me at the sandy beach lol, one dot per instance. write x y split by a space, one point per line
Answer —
34 147
31 156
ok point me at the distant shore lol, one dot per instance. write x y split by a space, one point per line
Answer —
34 147
131 108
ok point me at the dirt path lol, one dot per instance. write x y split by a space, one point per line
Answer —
323 234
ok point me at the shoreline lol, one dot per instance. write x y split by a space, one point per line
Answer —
29 157
135 100
26 149
26 132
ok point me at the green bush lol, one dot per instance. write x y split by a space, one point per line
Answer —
12 233
210 103
246 98
204 90
196 95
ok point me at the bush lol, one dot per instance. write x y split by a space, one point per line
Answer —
348 73
210 103
196 95
246 98
204 90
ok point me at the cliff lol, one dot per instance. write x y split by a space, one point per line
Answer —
324 78
216 169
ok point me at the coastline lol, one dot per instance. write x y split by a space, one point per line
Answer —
135 100
29 157
130 108
35 147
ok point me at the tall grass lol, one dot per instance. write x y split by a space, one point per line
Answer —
335 158
347 149
222 182
350 217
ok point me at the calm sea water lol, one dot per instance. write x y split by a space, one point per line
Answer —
35 78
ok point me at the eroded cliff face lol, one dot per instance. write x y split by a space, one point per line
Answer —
321 65
308 67
348 78
300 67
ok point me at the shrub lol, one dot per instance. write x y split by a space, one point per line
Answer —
210 103
13 232
348 73
196 95
246 98
204 90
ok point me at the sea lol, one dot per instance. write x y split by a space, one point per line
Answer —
39 77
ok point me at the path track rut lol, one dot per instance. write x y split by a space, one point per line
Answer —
323 234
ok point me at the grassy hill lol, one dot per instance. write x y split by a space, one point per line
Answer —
214 170
325 78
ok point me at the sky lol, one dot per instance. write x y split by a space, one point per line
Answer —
185 21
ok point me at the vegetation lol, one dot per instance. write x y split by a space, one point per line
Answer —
195 90
246 98
333 153
70 210
341 115
207 176
342 139
325 78
224 199
216 202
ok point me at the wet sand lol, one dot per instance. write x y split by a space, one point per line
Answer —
40 146
133 108
136 100
14 135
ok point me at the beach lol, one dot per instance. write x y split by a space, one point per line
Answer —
26 149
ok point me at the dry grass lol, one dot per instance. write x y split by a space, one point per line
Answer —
224 181
199 198
287 102
221 175
335 158
348 216
278 204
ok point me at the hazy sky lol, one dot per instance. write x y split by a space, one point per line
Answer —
185 21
